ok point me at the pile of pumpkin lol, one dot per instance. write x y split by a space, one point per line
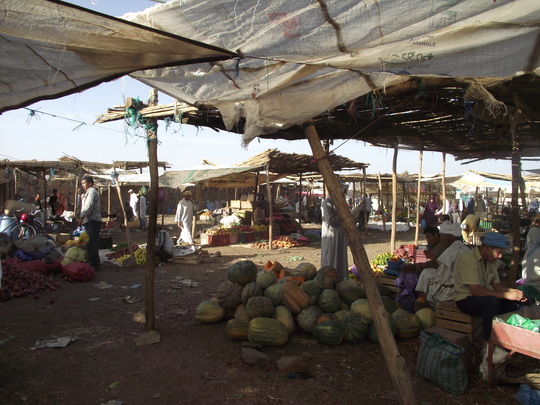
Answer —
280 242
266 306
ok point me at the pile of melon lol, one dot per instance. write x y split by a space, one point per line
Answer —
266 306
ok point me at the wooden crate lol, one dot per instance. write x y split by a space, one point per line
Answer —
388 281
449 317
194 258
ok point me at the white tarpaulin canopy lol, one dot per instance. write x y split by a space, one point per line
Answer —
201 173
49 49
303 58
471 179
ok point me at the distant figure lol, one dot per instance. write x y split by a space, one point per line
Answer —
90 217
429 217
37 201
184 217
258 214
480 206
470 206
133 202
142 208
333 238
533 206
468 227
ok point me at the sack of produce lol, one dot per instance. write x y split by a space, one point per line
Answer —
77 271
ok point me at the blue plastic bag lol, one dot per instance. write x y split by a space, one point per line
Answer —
528 396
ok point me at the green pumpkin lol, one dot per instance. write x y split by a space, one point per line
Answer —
241 314
329 301
312 290
268 332
229 295
427 317
408 326
236 329
356 328
209 312
350 291
251 290
326 277
373 336
389 304
274 293
242 272
341 313
283 315
266 278
327 316
306 270
260 307
307 318
329 332
361 307
399 313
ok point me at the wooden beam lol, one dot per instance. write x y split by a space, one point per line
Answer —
394 201
418 193
394 361
152 143
516 238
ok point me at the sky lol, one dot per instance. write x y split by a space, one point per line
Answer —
50 129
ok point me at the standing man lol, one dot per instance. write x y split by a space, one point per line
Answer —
90 217
477 288
133 202
142 208
333 238
184 217
429 217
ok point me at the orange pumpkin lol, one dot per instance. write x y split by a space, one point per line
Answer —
294 298
275 266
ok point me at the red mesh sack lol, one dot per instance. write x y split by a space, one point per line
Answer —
78 271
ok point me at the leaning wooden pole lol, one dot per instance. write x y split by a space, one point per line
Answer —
394 201
516 238
443 182
270 207
418 194
128 235
152 142
396 363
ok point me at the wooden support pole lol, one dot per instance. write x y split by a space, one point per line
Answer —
300 201
418 193
443 182
395 362
516 238
270 207
152 144
364 195
394 201
128 235
381 204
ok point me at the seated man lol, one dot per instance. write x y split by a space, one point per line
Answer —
437 284
477 288
438 240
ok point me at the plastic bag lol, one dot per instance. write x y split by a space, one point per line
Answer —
528 396
73 254
525 323
442 362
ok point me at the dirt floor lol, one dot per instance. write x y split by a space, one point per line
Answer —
193 363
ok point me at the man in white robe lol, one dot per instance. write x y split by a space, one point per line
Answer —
333 238
184 217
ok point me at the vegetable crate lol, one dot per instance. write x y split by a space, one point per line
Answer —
388 281
193 258
449 317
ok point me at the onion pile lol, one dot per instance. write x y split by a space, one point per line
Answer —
25 278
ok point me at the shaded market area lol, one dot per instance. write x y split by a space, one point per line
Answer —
419 77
